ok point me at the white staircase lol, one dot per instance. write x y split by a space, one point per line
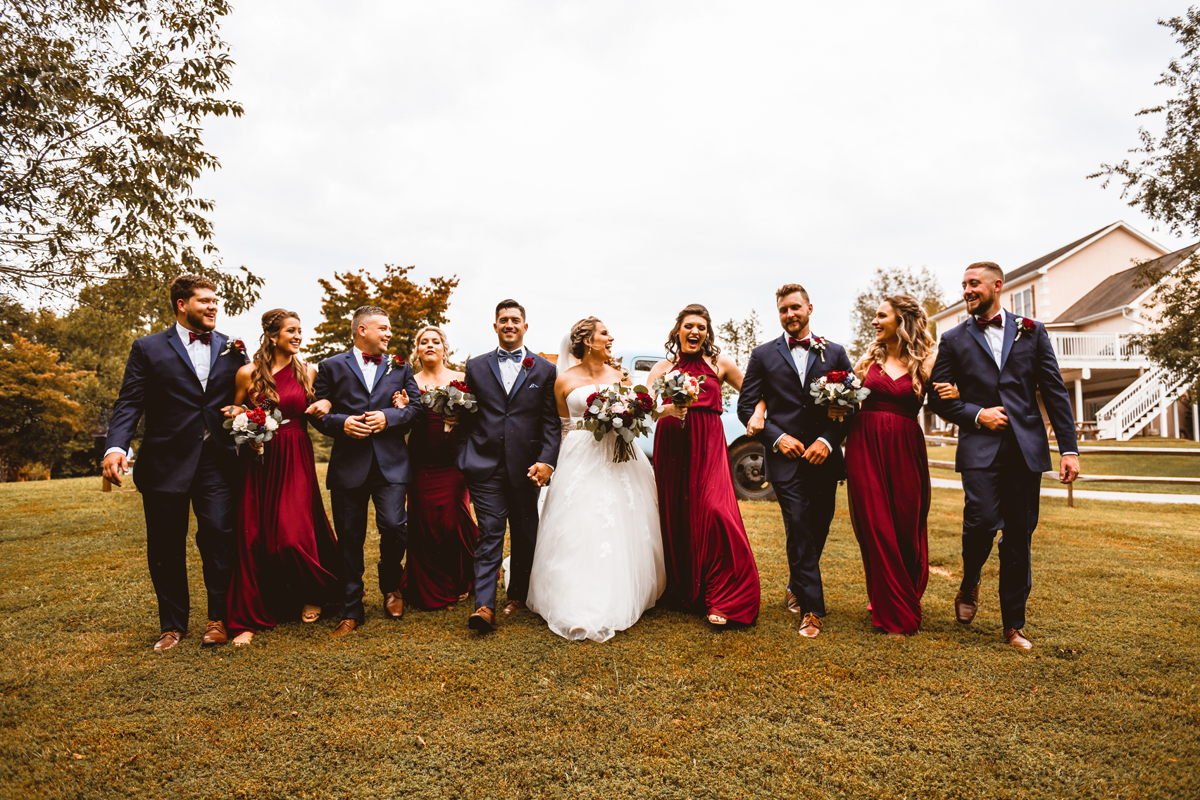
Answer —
1128 413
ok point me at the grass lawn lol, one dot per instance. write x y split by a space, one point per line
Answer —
1134 464
1105 706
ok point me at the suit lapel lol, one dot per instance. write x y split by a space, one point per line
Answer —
356 368
177 346
494 363
521 372
785 351
976 333
813 358
214 347
1010 335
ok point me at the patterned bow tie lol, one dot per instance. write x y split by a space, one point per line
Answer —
504 355
203 338
369 359
996 320
793 343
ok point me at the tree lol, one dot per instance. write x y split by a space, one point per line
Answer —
100 107
738 338
1175 311
38 418
409 305
921 284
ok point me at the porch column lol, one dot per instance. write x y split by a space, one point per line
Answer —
1163 431
1079 400
1196 421
1175 418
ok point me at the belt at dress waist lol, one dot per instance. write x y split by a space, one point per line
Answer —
889 408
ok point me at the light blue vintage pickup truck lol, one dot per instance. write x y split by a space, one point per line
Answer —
745 454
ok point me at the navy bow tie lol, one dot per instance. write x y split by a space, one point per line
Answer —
996 320
203 338
504 355
793 343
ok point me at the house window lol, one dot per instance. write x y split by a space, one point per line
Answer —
1022 303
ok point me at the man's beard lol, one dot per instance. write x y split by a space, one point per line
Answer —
198 321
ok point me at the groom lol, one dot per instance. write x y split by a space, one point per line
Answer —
369 461
1000 363
804 454
181 379
506 451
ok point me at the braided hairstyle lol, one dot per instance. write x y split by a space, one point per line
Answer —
916 344
262 381
582 333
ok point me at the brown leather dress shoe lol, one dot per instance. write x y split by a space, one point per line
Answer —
393 605
792 602
483 620
346 626
167 640
810 626
513 606
214 634
1017 638
965 605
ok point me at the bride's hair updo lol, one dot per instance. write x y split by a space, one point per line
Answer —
582 333
916 344
708 346
415 358
262 381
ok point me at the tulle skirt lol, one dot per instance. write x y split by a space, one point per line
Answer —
598 565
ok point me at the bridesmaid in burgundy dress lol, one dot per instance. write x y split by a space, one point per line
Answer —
441 532
710 567
288 557
887 467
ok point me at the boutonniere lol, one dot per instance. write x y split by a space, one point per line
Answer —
394 362
231 345
1024 326
818 343
527 364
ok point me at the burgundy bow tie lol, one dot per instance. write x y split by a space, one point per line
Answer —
996 320
205 338
793 343
368 359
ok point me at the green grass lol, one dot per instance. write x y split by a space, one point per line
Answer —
1105 706
1134 464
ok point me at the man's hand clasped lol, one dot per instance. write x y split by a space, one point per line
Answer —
540 473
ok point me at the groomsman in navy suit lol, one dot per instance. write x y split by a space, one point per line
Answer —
369 462
506 451
1000 362
803 445
181 379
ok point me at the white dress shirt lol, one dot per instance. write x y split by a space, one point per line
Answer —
509 369
801 356
368 368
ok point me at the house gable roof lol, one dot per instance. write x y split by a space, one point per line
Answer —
1123 289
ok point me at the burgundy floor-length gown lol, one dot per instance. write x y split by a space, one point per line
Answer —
888 484
710 567
287 552
441 533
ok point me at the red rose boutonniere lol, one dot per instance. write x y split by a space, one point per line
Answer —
818 344
395 362
527 364
1024 325
231 345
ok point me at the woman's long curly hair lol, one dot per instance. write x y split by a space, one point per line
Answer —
262 381
414 358
916 345
582 333
708 346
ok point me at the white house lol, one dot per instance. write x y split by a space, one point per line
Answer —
1090 300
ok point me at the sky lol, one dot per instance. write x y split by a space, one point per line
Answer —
624 159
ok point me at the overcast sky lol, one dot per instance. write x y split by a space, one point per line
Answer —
625 159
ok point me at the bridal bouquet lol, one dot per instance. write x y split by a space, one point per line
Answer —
839 388
623 409
678 388
257 426
449 401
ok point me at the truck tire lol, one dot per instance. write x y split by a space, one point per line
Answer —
747 465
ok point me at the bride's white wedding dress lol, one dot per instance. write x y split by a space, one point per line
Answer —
598 564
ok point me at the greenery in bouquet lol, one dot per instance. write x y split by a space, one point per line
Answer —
623 410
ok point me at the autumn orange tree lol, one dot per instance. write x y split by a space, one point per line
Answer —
38 417
410 306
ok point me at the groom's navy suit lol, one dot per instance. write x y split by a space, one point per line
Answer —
361 470
1002 470
186 458
498 444
807 493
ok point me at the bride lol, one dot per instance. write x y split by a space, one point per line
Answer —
598 564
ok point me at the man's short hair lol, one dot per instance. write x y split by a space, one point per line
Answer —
362 313
990 267
791 288
183 287
503 304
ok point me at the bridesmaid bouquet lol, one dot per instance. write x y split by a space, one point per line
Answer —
623 409
449 401
678 388
839 388
256 426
